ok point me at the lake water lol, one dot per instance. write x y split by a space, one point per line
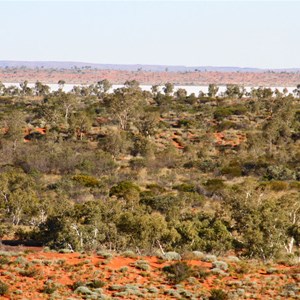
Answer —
189 88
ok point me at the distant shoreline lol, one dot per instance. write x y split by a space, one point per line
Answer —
190 89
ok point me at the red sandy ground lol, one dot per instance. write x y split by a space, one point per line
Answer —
66 269
147 77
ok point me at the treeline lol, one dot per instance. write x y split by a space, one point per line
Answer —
144 170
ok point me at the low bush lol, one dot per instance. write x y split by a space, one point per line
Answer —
171 256
49 288
85 180
232 171
200 273
83 290
142 265
209 258
3 288
95 284
4 260
278 185
105 254
185 187
178 272
77 284
214 184
129 254
217 294
220 264
30 272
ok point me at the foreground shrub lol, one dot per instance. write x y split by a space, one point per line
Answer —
129 254
142 265
4 260
171 256
49 288
3 288
77 284
278 185
83 290
105 254
85 180
214 185
95 284
232 171
30 272
178 271
200 272
221 265
217 294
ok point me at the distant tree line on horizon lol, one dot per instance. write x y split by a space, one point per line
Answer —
103 86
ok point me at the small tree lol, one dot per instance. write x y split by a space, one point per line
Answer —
168 88
212 90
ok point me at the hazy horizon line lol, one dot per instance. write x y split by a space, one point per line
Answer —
146 64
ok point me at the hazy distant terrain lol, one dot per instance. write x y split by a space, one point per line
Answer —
86 73
134 67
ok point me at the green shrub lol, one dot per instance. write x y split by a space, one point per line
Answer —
220 264
257 168
105 254
83 290
156 189
171 256
30 272
232 258
232 171
142 265
125 189
225 125
95 284
222 112
218 271
116 287
153 290
77 284
214 184
137 163
278 185
4 260
49 288
207 165
129 254
217 294
86 180
3 288
185 123
65 251
178 272
200 272
279 173
294 185
209 258
198 254
185 187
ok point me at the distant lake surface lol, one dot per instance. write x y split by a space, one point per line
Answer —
189 88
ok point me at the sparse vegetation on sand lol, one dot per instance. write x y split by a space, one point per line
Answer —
89 278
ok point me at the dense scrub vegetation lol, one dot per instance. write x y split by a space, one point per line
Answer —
154 170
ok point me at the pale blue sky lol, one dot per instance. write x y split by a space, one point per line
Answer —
238 33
